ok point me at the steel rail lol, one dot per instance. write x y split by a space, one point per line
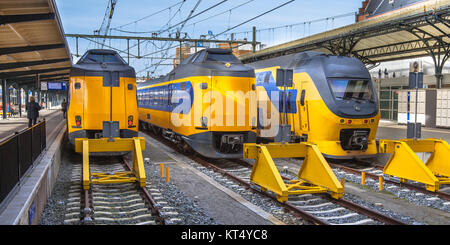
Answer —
443 195
354 207
368 212
147 197
298 212
155 208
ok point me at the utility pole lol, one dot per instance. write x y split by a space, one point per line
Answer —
4 98
254 39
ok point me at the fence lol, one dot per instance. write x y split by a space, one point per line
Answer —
17 154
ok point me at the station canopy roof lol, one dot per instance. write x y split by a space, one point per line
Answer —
405 33
32 42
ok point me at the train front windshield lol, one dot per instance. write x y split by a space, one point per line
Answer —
352 89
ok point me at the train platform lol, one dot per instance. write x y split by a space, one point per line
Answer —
27 199
395 131
16 124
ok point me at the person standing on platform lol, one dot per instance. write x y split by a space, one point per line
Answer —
32 111
64 108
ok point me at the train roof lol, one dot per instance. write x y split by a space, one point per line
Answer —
98 56
220 62
317 62
97 61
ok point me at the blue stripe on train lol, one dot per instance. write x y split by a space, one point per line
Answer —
265 79
157 98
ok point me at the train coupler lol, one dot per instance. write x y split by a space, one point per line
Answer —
135 145
314 176
406 165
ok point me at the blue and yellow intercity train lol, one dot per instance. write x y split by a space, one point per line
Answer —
102 97
204 104
332 103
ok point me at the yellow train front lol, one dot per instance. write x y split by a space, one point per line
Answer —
332 103
102 97
204 104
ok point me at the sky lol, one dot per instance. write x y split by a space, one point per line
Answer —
85 16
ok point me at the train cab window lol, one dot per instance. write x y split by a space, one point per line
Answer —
100 57
229 58
352 89
77 85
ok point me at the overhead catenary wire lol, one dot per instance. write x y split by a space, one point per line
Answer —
304 22
179 30
229 29
148 16
187 19
226 11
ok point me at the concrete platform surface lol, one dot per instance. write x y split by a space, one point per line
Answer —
16 124
393 130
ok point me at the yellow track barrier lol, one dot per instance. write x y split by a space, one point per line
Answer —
136 145
314 176
405 164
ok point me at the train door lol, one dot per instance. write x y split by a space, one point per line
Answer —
215 112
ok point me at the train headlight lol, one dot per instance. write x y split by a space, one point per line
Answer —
130 120
78 120
204 122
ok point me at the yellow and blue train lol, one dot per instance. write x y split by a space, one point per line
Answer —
102 97
332 103
204 104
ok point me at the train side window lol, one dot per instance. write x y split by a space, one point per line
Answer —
77 85
302 98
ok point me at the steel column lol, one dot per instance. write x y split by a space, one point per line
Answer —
4 97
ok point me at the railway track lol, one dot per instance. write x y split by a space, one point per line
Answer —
317 209
374 172
115 204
